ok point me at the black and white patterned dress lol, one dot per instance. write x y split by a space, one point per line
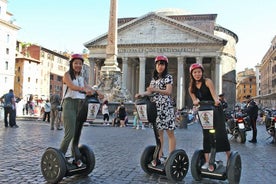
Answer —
165 112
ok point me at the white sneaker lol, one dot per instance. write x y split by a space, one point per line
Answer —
143 127
107 124
137 128
205 166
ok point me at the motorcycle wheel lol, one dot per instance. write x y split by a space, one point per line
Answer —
241 136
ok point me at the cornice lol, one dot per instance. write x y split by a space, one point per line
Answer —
179 44
9 24
226 31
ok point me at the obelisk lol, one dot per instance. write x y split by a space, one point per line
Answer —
110 63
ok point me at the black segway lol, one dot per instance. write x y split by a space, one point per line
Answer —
54 165
232 170
177 164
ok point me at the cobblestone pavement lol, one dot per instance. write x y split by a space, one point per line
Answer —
118 151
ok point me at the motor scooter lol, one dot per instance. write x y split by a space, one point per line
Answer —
55 165
270 125
232 170
237 124
176 165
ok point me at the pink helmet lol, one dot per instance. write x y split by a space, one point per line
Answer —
76 56
161 58
196 65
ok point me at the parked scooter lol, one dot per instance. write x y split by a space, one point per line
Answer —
237 124
270 125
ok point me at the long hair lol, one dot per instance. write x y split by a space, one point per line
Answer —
164 73
71 70
193 82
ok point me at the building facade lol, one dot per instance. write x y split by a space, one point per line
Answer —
267 96
8 36
246 84
184 39
39 72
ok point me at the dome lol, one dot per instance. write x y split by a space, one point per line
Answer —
172 11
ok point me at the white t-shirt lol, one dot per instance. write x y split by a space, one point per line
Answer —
79 81
105 109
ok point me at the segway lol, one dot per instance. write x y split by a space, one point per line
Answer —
177 164
54 164
232 170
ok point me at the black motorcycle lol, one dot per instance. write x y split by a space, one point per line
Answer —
270 125
237 124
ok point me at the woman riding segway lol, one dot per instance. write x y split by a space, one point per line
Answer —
215 138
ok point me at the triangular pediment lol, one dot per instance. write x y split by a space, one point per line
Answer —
153 28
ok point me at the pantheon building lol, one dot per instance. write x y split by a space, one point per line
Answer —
184 38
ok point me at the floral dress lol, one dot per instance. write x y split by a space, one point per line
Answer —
165 112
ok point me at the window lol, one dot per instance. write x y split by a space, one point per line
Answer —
8 38
6 65
29 79
7 50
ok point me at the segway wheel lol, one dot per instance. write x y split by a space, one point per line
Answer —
146 158
53 165
177 165
88 159
197 161
241 137
234 167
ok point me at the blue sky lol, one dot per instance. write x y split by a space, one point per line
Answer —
67 24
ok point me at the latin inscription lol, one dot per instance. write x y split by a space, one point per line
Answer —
155 50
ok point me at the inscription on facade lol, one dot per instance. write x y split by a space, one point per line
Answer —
156 50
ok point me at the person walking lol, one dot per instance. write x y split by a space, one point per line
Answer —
9 105
251 109
54 114
161 86
47 110
202 89
105 113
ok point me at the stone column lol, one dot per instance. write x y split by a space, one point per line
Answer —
180 85
218 77
142 74
125 70
92 72
110 62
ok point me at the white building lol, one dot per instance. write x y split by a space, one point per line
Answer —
8 36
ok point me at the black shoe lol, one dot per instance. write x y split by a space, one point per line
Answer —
59 128
52 128
15 126
253 141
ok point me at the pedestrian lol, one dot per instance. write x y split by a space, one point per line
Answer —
251 109
13 115
105 113
136 120
9 105
73 102
47 110
202 89
54 114
121 110
161 86
223 101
